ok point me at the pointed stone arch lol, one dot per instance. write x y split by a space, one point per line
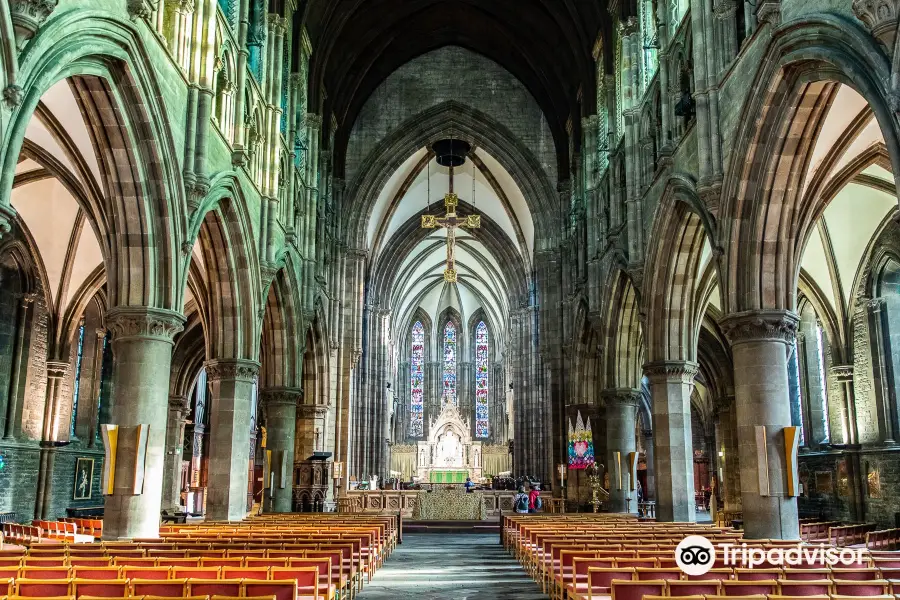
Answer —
766 221
682 225
221 227
143 209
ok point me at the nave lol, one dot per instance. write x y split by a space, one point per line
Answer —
470 566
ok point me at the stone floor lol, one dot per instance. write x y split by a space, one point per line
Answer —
445 566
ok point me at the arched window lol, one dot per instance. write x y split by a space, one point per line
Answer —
76 385
650 45
482 380
417 381
105 372
620 93
795 391
602 118
449 394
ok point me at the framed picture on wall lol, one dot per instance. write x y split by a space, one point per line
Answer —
84 479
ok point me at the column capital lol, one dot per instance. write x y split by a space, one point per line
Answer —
231 369
843 373
178 403
281 396
760 326
307 411
672 370
621 396
57 369
142 322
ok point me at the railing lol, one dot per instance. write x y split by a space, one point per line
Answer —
847 535
885 539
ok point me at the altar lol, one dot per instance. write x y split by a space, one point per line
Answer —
450 504
449 455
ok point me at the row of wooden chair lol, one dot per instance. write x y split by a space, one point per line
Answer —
306 589
133 597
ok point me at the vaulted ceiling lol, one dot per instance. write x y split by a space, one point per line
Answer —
546 44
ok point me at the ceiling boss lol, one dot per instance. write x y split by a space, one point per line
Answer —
451 154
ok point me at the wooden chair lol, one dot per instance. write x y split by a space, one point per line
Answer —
245 573
44 587
178 562
635 590
280 590
153 587
197 572
113 588
156 573
681 589
877 587
209 561
214 587
94 561
97 573
27 572
810 587
805 574
749 588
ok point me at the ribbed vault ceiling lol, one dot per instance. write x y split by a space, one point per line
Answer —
546 44
416 270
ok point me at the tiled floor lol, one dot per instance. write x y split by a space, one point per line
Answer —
458 567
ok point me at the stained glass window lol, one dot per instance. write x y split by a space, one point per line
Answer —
417 380
449 395
481 380
77 382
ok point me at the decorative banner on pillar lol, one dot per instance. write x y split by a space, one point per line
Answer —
632 463
125 447
110 434
617 467
581 444
762 460
141 435
792 474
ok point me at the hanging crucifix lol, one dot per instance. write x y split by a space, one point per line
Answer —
451 153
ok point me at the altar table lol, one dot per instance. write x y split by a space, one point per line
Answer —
450 505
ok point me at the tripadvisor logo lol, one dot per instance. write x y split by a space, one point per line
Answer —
695 555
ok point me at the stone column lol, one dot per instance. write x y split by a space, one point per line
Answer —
759 342
621 411
231 384
731 466
841 388
13 407
178 408
281 424
142 346
650 489
671 383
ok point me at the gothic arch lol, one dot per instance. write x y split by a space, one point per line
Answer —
282 339
673 273
767 222
315 361
436 123
221 228
143 208
625 355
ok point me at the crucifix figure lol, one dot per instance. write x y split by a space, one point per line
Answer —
450 221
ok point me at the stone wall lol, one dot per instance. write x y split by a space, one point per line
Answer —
451 73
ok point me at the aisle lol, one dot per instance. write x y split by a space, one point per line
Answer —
465 566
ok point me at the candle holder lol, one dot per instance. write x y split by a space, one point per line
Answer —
594 479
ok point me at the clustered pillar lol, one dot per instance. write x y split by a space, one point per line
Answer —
281 425
231 384
178 407
621 411
142 344
671 383
759 342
